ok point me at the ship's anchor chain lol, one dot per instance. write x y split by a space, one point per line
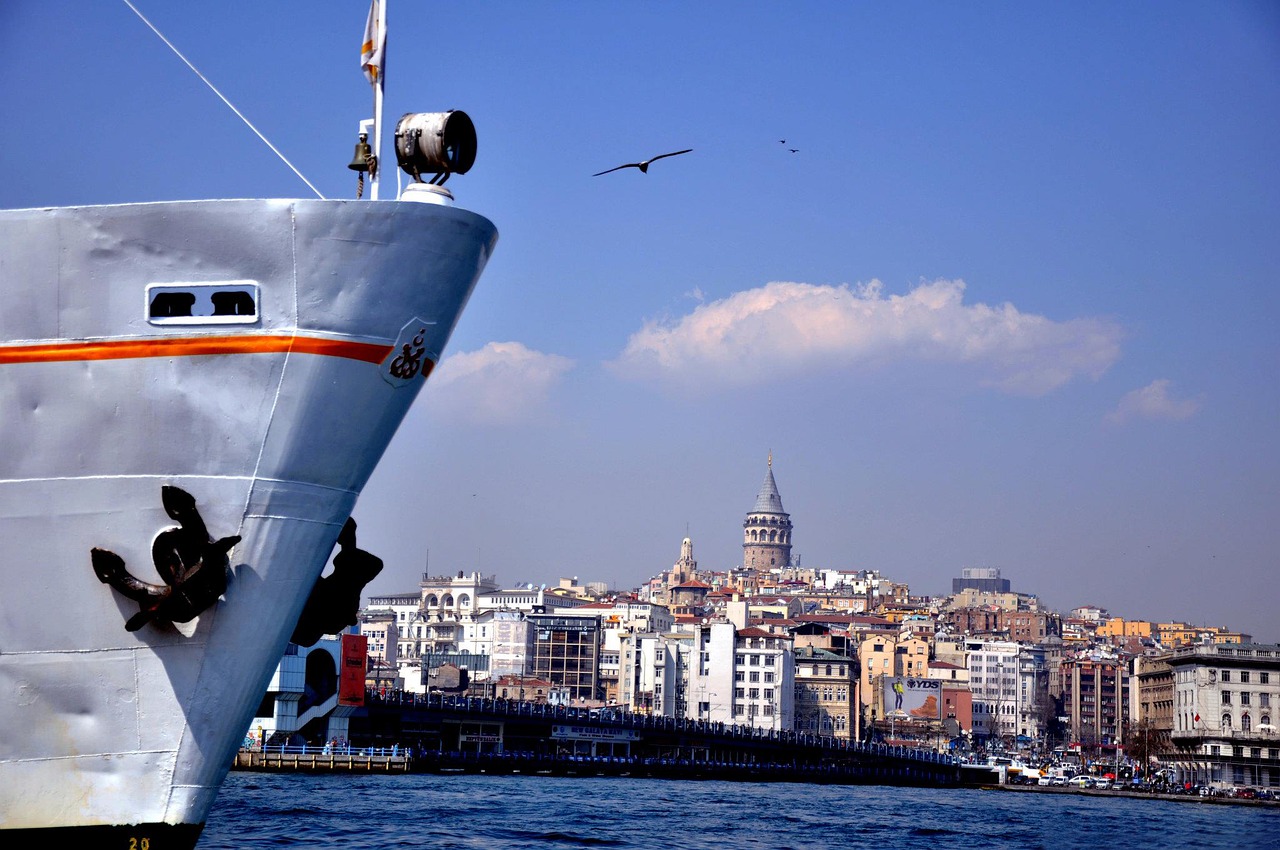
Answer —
407 364
193 565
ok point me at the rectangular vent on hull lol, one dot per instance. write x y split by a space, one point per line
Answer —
224 302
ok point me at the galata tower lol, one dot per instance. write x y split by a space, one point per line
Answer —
766 533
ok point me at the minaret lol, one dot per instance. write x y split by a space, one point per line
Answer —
766 538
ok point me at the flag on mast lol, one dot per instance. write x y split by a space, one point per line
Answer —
373 50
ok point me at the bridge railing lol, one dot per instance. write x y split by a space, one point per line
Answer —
627 719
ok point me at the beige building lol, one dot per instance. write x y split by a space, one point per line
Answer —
826 701
884 656
1152 728
1095 695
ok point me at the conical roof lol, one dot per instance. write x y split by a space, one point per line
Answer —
768 502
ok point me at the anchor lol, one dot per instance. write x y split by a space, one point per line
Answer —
192 564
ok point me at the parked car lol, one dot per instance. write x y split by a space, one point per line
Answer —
1078 782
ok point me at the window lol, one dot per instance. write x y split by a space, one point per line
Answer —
754 676
1226 697
1244 697
1264 678
1226 675
768 676
1244 676
1226 721
220 303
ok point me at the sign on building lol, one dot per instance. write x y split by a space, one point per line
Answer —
910 697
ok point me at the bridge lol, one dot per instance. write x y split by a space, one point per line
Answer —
444 733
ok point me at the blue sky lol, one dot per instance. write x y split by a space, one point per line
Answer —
1011 303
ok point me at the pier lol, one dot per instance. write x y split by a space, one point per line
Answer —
322 759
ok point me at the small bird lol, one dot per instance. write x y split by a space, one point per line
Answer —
644 166
794 150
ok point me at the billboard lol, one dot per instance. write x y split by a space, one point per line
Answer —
907 697
355 652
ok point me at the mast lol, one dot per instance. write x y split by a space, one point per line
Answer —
373 61
381 6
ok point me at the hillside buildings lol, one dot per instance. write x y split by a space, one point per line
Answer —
844 652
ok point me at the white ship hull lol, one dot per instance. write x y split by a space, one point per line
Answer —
271 420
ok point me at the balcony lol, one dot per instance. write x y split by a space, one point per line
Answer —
1254 737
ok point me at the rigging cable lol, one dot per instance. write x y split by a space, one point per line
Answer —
249 124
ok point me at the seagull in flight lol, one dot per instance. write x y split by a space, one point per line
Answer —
643 166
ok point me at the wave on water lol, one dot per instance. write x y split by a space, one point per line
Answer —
337 812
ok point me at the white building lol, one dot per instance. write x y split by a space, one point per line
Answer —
1226 700
993 681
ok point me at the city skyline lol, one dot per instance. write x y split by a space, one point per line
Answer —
1009 302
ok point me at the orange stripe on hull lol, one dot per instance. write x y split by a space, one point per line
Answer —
191 347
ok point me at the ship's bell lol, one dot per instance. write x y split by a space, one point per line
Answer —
363 153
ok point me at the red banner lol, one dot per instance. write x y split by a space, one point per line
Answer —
355 650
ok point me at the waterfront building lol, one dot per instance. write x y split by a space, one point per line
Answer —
764 679
826 689
566 651
992 667
766 532
625 615
1095 698
740 674
1151 735
653 677
712 670
1226 698
1034 709
993 679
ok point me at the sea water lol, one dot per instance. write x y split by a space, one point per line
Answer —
332 811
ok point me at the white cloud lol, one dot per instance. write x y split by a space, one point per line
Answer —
501 383
783 329
1153 402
